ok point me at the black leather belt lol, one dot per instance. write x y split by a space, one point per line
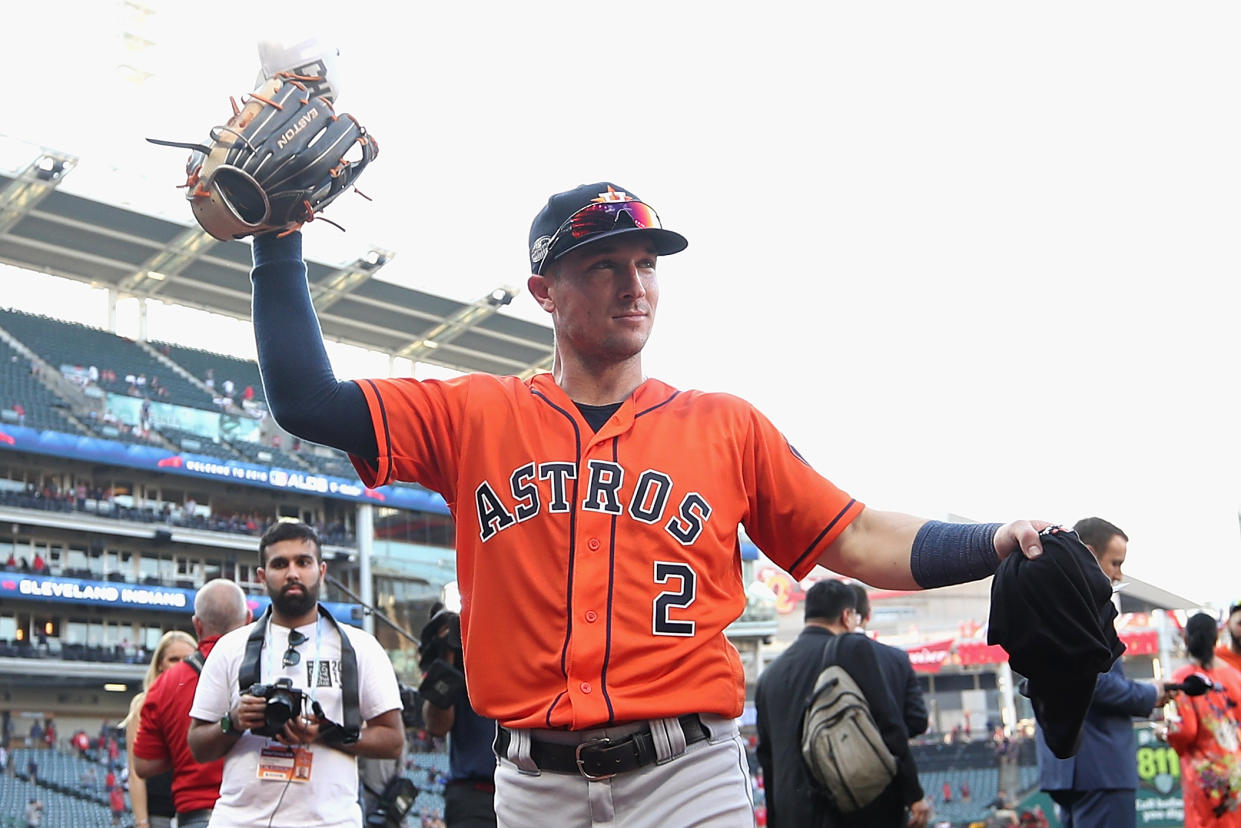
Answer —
601 758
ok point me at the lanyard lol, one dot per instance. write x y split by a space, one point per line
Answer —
312 666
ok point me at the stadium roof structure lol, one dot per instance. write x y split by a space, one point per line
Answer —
49 231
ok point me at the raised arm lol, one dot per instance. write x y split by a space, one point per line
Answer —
302 391
891 550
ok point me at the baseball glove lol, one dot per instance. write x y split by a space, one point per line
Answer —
283 157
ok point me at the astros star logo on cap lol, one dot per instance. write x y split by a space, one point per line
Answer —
611 195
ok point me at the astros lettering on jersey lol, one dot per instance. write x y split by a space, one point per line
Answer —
598 570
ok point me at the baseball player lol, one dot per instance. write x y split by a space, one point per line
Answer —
597 514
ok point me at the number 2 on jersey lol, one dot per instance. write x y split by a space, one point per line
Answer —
669 599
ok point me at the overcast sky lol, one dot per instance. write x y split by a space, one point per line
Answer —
974 258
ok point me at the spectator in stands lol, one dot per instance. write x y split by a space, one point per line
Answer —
89 779
39 566
34 812
898 671
161 746
1230 651
1207 736
116 801
947 792
32 771
4 758
793 801
20 411
965 790
151 799
1097 787
11 563
82 742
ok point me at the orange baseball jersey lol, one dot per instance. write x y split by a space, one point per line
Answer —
598 570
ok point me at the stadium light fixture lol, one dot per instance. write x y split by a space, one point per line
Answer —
49 168
501 296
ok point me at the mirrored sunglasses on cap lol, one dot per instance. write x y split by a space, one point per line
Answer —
601 217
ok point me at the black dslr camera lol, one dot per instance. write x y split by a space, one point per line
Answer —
440 658
283 703
393 804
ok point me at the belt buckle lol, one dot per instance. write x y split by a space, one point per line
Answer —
577 755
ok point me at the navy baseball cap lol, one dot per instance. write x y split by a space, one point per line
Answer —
592 212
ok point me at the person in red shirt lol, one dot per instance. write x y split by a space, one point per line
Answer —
219 607
116 799
1205 732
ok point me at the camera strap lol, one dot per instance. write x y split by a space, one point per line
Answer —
251 671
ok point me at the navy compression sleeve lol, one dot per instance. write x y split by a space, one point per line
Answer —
953 553
302 391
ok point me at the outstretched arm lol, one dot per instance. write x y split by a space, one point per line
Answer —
892 550
305 397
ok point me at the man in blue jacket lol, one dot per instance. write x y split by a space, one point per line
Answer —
1097 787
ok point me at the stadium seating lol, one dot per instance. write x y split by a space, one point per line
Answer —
335 464
19 387
67 343
983 786
221 368
427 771
120 433
188 441
59 787
267 456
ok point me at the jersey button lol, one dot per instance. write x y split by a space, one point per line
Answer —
586 688
593 543
592 616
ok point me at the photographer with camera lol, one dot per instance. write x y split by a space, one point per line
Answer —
469 794
292 699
